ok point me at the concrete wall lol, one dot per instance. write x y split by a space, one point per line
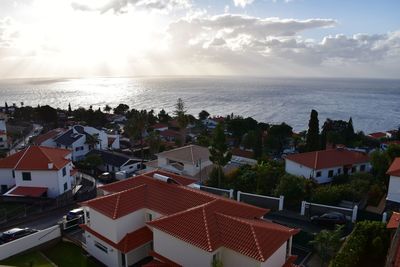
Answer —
179 251
20 245
394 189
277 259
232 258
138 254
6 178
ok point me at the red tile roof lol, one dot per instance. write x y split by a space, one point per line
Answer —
170 133
159 126
49 135
166 261
129 242
242 153
329 158
111 140
28 191
196 217
36 158
394 168
394 221
378 135
216 224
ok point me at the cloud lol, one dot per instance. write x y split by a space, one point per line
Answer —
242 3
121 6
8 33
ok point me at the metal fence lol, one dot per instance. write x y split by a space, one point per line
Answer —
268 202
218 191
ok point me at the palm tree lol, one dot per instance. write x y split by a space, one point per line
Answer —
182 118
135 128
93 140
219 153
107 108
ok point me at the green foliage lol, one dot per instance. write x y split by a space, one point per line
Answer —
292 187
278 137
90 117
381 160
163 116
366 246
135 127
154 142
91 161
268 174
121 109
216 178
313 142
327 243
219 153
203 115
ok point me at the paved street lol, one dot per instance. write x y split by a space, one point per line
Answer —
35 131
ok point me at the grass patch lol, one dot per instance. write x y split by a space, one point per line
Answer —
32 259
66 254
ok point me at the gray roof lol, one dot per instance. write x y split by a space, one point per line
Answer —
113 158
68 138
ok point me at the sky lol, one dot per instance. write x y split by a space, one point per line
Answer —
277 38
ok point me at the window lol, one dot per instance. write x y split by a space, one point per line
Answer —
64 171
330 173
362 168
339 171
101 246
13 173
1 139
26 176
318 174
149 217
353 169
65 186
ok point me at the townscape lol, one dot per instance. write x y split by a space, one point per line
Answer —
116 186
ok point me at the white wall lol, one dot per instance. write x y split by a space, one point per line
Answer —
6 178
394 189
232 258
138 254
179 251
189 169
20 245
103 225
110 258
277 259
49 179
297 169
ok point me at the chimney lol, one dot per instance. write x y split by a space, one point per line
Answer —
50 165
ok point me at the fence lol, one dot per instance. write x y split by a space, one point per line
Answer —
309 209
218 191
22 244
272 203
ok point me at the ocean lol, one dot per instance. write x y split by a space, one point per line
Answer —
374 104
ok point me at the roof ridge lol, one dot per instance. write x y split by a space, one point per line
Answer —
257 243
206 227
116 206
23 155
316 159
45 154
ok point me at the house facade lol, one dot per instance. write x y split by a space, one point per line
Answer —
37 172
159 216
323 165
393 196
79 139
3 134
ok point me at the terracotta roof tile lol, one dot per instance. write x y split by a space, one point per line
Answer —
394 168
37 158
394 221
28 191
329 158
49 135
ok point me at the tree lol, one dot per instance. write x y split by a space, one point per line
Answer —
107 108
6 107
203 115
268 174
47 114
278 136
92 161
69 108
154 142
136 127
312 141
219 153
292 187
163 116
327 243
93 140
349 133
121 109
182 118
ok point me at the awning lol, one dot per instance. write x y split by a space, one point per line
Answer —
27 191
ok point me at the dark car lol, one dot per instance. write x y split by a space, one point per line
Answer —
16 233
330 219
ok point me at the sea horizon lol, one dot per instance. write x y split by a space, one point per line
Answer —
266 99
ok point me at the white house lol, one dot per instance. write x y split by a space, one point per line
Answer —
323 165
79 139
192 161
37 172
393 196
152 215
3 134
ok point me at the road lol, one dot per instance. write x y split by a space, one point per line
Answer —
35 131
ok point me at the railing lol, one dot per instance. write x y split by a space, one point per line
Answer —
218 191
270 202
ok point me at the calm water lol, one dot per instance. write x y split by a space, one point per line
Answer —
373 104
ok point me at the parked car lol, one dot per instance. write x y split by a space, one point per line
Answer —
74 214
16 233
330 219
